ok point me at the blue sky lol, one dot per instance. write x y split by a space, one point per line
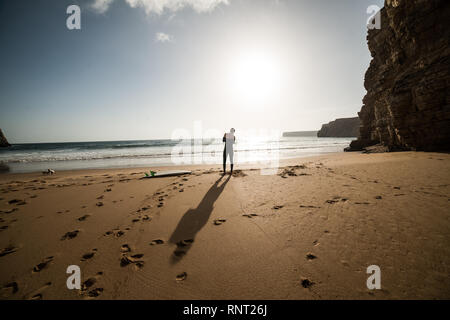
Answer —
139 69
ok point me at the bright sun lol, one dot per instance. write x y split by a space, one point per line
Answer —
255 78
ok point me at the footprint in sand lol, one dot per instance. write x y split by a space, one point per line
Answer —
125 248
16 201
251 215
336 199
238 174
310 256
10 210
181 277
89 283
99 204
8 250
116 232
83 218
287 172
95 292
38 294
306 283
134 259
70 235
119 233
218 222
41 266
156 241
183 247
89 255
9 289
277 207
145 208
185 243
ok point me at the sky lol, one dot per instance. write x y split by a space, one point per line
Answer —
141 69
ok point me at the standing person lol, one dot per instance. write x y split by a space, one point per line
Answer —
229 140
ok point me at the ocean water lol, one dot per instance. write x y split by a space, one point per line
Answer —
152 153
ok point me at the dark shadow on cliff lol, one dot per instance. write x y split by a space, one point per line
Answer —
194 220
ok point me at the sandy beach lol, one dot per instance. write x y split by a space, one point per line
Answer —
308 232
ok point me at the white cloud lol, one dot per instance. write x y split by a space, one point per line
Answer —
159 6
101 6
163 37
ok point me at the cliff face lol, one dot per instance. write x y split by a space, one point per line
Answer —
344 127
407 105
3 141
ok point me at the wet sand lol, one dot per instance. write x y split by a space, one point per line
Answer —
307 232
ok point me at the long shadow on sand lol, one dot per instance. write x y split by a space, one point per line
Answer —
194 220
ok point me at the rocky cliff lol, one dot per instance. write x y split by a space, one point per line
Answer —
407 105
344 127
3 141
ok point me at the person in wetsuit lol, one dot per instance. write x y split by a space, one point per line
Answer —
229 140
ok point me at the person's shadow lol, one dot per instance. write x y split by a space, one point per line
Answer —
194 220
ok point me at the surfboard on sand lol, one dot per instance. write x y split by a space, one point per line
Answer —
169 173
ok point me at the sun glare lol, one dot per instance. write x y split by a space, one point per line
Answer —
255 78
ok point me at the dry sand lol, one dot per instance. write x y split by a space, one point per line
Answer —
249 236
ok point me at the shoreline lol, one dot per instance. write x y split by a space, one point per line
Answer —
242 166
324 219
246 165
135 154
